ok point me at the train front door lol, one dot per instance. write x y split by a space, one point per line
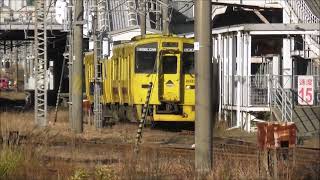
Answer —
169 78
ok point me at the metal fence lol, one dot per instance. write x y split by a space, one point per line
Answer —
259 86
257 90
25 16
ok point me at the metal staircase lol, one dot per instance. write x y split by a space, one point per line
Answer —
306 118
301 13
281 101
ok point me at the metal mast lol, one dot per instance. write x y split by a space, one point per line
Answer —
40 33
98 25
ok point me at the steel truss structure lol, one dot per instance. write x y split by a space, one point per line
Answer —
100 27
40 33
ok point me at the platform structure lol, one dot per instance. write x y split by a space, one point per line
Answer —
268 54
258 60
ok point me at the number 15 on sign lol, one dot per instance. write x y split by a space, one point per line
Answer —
305 90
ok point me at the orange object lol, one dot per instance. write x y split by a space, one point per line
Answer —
273 135
86 105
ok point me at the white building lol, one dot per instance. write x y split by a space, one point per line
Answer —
262 49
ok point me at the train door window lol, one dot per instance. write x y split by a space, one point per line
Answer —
145 59
169 64
188 59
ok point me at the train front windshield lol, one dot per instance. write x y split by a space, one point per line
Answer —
145 58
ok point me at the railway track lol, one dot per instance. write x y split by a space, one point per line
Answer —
110 152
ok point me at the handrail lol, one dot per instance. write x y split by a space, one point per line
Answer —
281 100
304 14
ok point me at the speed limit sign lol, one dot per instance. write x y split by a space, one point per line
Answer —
305 90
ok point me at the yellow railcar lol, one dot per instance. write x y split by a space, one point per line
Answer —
166 61
89 75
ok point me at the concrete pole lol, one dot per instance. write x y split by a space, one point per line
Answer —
77 74
143 23
165 17
204 109
70 35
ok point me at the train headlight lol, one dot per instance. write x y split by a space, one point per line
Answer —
190 86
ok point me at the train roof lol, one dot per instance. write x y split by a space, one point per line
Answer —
135 40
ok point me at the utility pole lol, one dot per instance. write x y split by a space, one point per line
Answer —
40 33
143 23
77 74
165 16
70 58
204 103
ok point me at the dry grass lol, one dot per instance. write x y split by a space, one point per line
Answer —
70 161
21 122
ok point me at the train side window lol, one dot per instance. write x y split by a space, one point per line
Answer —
169 64
145 61
188 62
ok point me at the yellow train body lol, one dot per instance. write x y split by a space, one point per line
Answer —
166 61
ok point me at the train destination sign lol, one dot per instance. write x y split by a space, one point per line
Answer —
146 49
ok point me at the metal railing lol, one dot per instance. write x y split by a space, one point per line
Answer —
304 14
255 90
259 87
25 17
285 99
281 99
290 83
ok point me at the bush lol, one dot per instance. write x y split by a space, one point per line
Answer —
9 161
